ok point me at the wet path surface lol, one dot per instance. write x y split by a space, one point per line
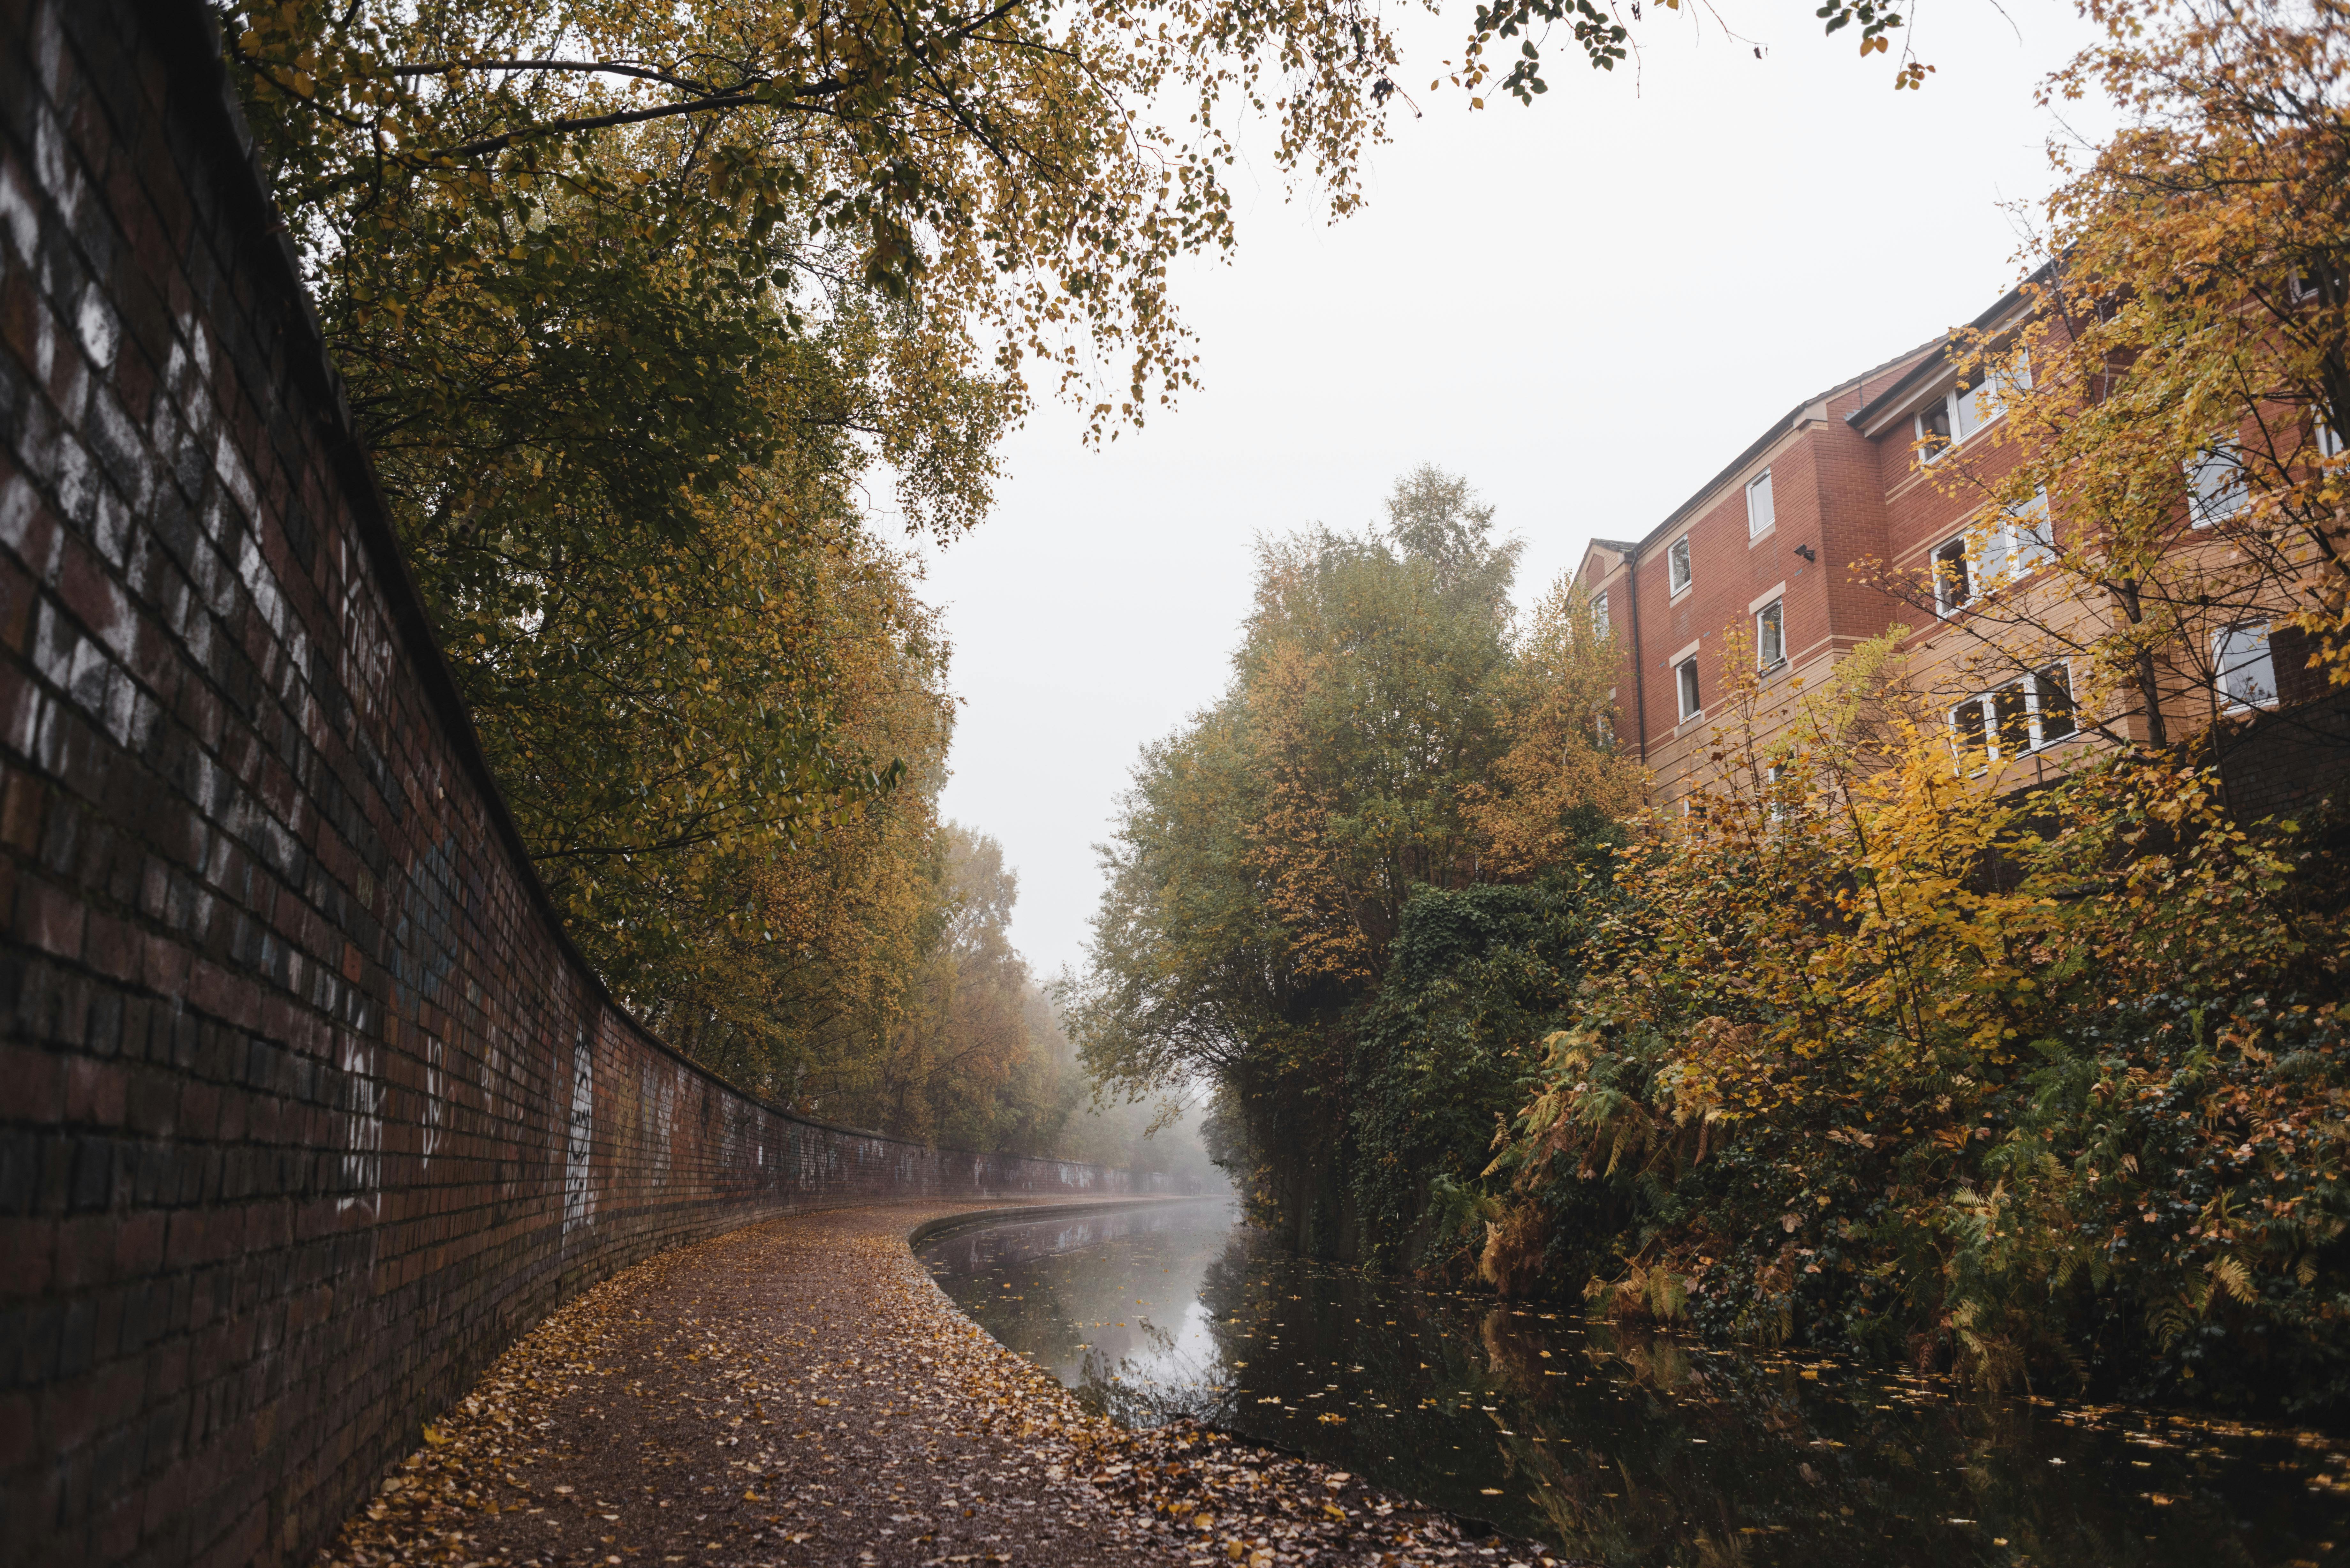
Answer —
1624 1447
799 1393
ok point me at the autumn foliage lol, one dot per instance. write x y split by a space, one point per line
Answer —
1396 765
2026 1084
635 317
1874 1048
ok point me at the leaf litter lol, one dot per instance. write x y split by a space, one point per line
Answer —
801 1392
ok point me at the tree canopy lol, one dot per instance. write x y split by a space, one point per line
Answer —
1389 733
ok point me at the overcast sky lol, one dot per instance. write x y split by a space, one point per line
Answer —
1587 306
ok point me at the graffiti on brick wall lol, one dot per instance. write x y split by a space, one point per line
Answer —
361 1095
579 1154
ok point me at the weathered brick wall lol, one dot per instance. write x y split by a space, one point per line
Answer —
2287 761
307 1107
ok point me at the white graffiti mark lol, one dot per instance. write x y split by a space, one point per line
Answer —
360 1190
578 1192
366 645
660 1099
436 1097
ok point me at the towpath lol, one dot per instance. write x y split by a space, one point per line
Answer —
799 1392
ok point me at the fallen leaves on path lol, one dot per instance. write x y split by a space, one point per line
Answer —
800 1392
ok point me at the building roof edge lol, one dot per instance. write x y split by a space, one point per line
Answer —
1778 427
1926 368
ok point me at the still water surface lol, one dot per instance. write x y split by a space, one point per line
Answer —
1635 1448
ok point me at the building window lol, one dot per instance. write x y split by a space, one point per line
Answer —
1933 430
1677 563
2329 441
1953 583
1758 515
1987 558
2018 544
2021 716
2030 537
1685 681
1770 635
1778 792
2306 283
1600 625
1969 731
2218 487
1961 412
2051 704
2245 668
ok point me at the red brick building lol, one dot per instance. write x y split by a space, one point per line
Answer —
1762 569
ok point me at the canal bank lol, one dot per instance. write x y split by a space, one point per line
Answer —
799 1392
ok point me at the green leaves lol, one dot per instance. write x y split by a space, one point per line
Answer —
968 161
1269 854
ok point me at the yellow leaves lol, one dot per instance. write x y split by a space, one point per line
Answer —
2232 1276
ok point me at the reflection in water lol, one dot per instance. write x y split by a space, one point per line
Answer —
1622 1447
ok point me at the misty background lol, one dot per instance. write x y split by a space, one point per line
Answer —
1587 306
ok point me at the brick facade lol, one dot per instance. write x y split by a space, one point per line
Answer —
306 1106
1849 493
1827 499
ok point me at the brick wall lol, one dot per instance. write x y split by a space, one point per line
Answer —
307 1106
1827 498
2287 761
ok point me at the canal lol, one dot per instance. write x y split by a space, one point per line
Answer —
1625 1447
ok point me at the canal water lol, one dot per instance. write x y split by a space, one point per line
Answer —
1621 1447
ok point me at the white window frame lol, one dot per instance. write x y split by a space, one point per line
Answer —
1953 591
1681 566
2039 732
2263 696
1686 683
2203 499
1967 410
2302 285
2329 439
1762 519
1776 615
1992 557
1600 624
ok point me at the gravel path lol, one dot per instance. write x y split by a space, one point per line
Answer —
800 1392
